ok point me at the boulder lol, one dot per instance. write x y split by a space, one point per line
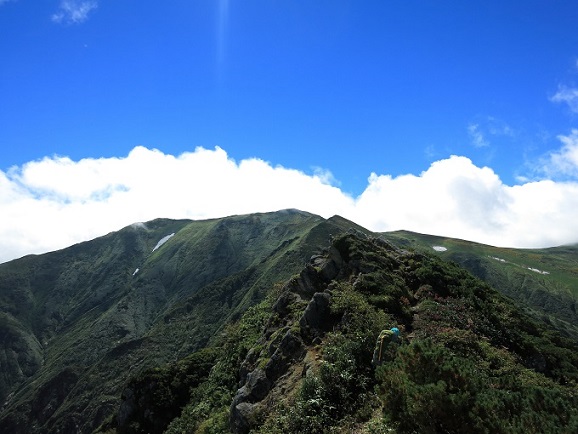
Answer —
316 319
242 415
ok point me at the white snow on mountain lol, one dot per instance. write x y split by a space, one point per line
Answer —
163 240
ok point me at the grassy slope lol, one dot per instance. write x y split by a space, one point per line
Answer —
57 298
99 323
552 296
78 317
469 360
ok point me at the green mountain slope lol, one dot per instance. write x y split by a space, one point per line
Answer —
154 327
545 281
74 324
301 361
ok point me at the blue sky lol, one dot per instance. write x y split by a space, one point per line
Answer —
334 90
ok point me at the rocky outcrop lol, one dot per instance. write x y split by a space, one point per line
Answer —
317 318
329 265
245 404
301 317
259 382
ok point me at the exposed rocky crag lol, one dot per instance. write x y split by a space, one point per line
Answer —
286 340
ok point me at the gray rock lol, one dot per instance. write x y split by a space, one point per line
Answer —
257 385
242 415
243 407
290 349
332 265
316 319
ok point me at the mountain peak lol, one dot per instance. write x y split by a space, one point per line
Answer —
267 322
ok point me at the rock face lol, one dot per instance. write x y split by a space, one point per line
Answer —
303 317
127 406
316 319
248 401
255 389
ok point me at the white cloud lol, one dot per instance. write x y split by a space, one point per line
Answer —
325 176
56 202
453 197
568 95
491 127
497 127
563 162
457 199
74 11
478 139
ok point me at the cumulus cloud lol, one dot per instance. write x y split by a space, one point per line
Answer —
73 11
567 95
563 162
55 202
458 199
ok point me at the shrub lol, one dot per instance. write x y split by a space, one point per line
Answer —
430 388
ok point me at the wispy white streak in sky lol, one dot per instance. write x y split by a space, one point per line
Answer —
74 11
478 139
489 126
56 202
567 95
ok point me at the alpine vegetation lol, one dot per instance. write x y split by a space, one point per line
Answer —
287 323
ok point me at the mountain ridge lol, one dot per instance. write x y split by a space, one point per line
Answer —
84 307
543 280
300 361
85 319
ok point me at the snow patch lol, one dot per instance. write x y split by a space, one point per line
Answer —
163 240
535 270
439 248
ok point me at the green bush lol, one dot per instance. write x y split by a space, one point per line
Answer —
161 393
429 388
208 409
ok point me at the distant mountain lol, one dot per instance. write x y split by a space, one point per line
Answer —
544 281
122 333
